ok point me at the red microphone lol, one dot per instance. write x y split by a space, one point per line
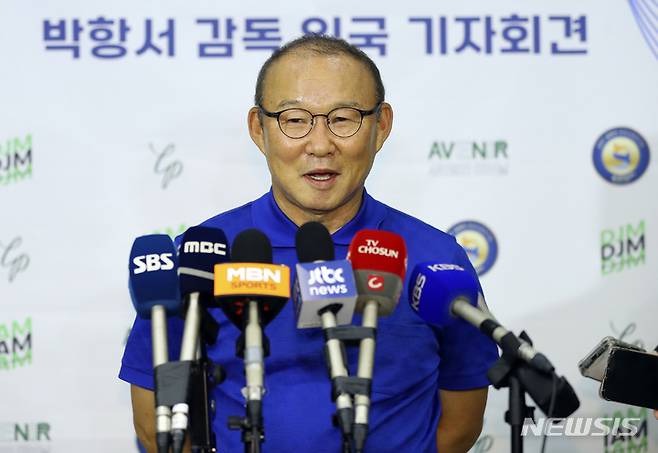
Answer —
379 260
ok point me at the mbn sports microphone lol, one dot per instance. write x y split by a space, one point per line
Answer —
379 259
200 249
251 292
154 290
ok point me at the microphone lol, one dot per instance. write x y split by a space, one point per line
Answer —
379 259
325 295
155 293
251 292
201 248
322 284
442 293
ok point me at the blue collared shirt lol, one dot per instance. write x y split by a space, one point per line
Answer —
412 362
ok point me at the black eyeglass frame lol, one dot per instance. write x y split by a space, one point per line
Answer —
276 115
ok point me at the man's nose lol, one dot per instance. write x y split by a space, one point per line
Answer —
320 140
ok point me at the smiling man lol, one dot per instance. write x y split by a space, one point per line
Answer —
320 119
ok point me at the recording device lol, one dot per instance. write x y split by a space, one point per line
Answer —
628 374
200 249
325 295
595 363
379 260
443 293
155 293
251 291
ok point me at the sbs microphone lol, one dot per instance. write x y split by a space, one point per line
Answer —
379 259
155 293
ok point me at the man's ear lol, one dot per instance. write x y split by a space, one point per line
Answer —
256 132
384 124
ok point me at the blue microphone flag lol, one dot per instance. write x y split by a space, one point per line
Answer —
153 278
434 286
200 249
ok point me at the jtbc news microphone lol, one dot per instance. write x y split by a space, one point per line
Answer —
325 295
379 260
445 293
251 292
200 249
154 290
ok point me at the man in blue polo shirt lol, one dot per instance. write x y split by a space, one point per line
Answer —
319 120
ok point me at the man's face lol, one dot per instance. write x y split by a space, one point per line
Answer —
320 172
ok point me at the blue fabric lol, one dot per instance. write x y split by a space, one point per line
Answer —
413 361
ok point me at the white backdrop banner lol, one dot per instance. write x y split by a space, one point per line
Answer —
524 129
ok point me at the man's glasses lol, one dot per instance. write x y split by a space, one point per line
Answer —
342 121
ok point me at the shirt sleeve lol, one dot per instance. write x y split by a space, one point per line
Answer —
466 353
137 361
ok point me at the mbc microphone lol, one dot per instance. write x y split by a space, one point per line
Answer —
200 249
251 292
379 259
154 290
325 295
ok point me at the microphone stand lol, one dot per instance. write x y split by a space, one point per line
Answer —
352 386
521 378
252 345
204 377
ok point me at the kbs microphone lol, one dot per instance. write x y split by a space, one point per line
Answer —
441 293
155 293
251 292
379 259
325 295
201 248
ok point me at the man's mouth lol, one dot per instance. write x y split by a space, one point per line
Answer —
321 176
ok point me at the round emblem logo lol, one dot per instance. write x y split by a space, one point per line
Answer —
621 155
479 243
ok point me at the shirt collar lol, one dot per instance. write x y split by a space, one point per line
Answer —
268 217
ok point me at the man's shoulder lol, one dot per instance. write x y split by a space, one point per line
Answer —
419 235
232 221
403 222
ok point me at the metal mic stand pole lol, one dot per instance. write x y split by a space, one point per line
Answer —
253 346
553 395
205 376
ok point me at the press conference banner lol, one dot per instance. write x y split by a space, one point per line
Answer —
527 130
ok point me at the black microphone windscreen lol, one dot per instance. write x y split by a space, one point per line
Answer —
251 246
313 243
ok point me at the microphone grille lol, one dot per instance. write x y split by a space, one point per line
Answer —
313 243
251 246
